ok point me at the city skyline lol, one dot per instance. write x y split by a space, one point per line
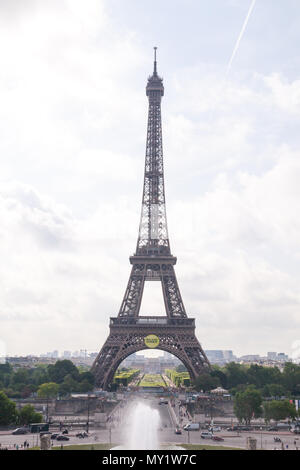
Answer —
72 153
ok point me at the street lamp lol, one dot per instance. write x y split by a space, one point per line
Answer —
88 416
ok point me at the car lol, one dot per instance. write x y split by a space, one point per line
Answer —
217 438
62 437
82 435
20 431
177 431
206 435
192 427
163 402
65 431
54 435
215 429
232 428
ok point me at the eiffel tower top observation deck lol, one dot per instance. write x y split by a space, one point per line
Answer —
153 236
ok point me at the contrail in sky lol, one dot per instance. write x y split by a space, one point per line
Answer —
240 37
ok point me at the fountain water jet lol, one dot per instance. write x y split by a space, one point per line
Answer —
142 427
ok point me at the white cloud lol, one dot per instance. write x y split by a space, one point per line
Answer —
72 138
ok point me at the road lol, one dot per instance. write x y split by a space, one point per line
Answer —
167 436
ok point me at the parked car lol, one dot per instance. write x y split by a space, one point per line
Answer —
214 429
62 437
272 428
65 431
163 402
177 431
192 427
82 435
217 438
20 431
233 428
206 435
54 435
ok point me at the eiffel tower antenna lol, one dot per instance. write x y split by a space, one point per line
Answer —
152 261
155 62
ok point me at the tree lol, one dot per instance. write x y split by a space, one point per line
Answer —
247 404
273 390
60 369
48 390
40 375
84 386
8 412
20 376
236 374
87 377
68 385
278 410
206 382
217 372
28 415
6 371
261 376
291 377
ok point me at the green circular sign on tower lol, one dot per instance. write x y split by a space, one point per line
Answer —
151 341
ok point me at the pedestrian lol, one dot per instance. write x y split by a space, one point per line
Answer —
287 446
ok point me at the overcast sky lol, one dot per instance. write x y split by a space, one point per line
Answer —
73 115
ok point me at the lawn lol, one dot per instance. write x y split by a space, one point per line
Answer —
206 447
152 380
86 447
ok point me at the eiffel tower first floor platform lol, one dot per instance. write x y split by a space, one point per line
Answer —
131 334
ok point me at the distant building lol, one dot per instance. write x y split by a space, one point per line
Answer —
67 354
282 357
228 356
219 356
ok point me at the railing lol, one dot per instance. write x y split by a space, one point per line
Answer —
151 321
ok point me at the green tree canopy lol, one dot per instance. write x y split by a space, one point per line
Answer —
273 390
28 415
236 374
206 382
8 412
21 376
279 409
48 390
58 371
247 404
261 376
87 377
68 385
291 377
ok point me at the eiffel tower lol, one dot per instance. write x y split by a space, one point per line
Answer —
152 261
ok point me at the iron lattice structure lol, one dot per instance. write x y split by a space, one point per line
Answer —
152 261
